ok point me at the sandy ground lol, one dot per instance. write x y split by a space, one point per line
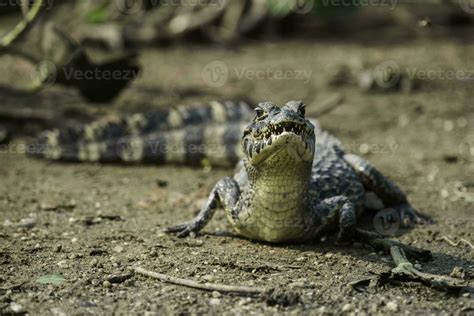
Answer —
90 222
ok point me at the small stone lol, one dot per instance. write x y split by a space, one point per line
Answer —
216 294
72 220
16 308
199 242
208 277
118 249
348 308
215 301
63 264
392 306
458 272
74 240
448 125
106 284
94 262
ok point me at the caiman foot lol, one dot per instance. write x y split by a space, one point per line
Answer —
184 229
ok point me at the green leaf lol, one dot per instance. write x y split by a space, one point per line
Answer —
99 14
55 279
279 8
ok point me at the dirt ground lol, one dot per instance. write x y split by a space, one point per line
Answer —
89 222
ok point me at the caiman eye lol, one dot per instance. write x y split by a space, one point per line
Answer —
260 112
302 109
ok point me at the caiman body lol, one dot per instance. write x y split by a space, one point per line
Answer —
294 181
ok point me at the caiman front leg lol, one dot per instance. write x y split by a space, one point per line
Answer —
225 193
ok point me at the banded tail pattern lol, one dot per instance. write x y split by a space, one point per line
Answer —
182 134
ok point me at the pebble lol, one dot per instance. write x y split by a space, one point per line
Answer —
17 308
348 307
392 306
63 264
458 272
215 301
199 242
106 284
216 294
208 277
94 262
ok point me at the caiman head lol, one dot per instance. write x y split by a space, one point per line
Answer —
279 136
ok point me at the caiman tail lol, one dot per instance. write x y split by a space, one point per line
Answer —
184 135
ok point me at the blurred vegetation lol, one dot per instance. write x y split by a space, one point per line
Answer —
66 29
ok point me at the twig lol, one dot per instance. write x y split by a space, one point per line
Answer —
27 114
201 286
12 287
25 7
21 27
406 269
455 244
